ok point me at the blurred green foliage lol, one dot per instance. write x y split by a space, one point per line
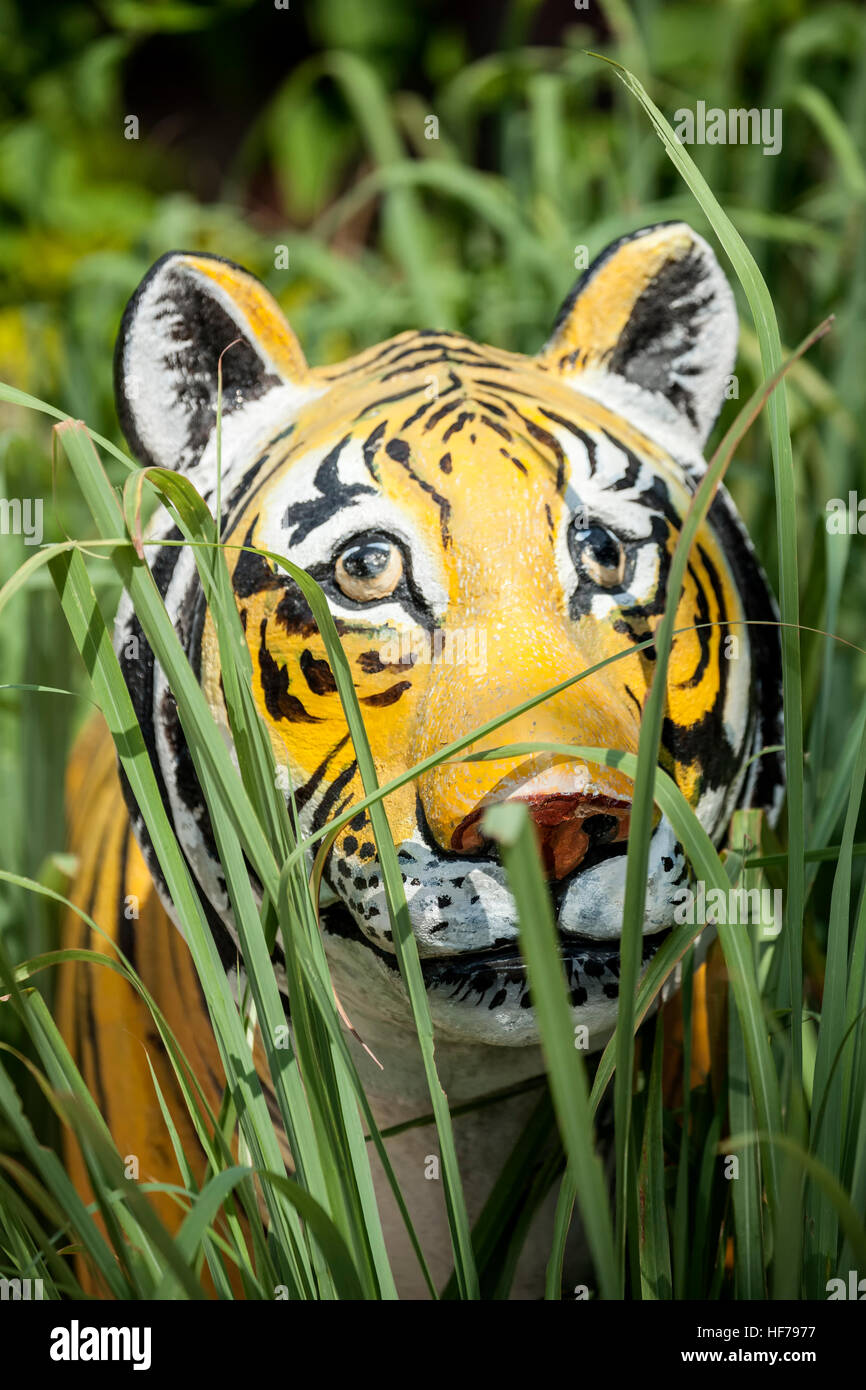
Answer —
538 151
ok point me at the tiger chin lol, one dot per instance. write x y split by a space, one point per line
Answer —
484 525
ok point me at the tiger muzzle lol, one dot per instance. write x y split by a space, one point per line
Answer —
567 827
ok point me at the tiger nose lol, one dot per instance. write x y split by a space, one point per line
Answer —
567 827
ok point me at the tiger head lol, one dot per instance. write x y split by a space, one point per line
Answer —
485 526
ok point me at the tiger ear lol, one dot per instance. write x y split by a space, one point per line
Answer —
655 312
185 312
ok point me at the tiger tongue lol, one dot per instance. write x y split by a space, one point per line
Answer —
566 827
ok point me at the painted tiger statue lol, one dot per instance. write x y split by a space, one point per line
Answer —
484 525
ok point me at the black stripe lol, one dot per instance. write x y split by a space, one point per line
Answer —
279 703
704 636
387 697
322 811
388 400
544 437
398 450
370 448
586 439
457 425
303 794
317 674
441 413
304 517
494 425
125 928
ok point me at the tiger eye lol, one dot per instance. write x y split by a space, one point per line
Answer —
598 555
369 569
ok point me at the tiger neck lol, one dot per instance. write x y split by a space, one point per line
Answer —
396 1082
484 1137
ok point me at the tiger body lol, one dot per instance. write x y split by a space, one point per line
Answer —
484 527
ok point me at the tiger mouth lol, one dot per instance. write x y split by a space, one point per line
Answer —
502 969
570 829
496 975
479 972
